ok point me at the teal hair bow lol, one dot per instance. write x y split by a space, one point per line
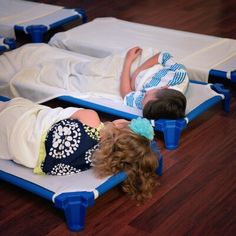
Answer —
142 127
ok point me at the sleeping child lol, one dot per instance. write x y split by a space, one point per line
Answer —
146 79
157 86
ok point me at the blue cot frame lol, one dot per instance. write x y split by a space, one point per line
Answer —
8 44
74 204
230 76
37 32
171 129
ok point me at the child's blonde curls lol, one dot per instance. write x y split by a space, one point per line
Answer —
123 150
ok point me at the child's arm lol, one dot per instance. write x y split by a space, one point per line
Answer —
147 64
88 117
125 81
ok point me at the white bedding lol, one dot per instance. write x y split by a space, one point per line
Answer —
39 72
104 36
51 71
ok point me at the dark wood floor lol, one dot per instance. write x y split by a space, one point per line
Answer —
197 195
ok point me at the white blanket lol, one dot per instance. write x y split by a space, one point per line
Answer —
40 72
104 36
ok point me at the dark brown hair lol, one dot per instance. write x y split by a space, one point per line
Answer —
170 104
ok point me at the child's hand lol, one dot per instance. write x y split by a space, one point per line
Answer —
133 53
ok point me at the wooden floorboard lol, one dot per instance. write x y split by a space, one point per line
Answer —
197 195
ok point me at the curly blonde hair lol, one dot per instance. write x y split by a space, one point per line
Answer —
123 150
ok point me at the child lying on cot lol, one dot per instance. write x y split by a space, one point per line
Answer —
146 80
147 87
64 141
141 77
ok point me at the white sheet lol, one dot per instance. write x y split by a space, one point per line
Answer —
103 36
25 13
53 71
41 68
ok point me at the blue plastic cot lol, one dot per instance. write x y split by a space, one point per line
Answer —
200 96
7 44
34 19
73 193
37 30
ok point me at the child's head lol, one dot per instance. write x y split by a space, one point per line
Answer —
123 149
165 104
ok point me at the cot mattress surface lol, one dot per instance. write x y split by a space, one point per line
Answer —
73 193
56 184
25 13
104 36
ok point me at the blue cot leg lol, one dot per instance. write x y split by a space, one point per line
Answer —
75 206
156 150
233 76
159 170
218 74
223 75
36 32
219 88
10 42
172 130
83 14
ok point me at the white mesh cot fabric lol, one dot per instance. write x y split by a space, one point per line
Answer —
72 193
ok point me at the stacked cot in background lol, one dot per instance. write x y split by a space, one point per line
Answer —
34 19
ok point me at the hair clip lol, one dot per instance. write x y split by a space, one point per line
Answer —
142 127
